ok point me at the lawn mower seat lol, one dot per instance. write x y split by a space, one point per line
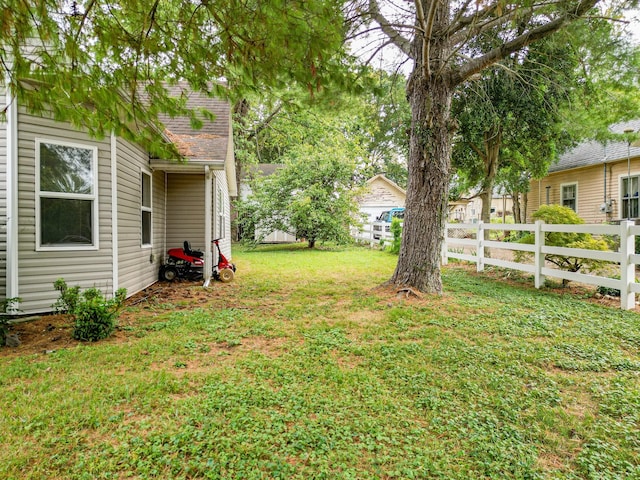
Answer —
192 253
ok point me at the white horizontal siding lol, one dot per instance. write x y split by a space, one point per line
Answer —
138 266
38 270
3 200
221 184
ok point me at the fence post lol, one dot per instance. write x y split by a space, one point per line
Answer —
627 269
538 255
445 249
480 247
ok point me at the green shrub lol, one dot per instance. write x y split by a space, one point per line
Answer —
396 230
557 214
612 292
5 306
68 299
93 314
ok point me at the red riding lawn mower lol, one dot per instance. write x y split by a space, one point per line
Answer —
189 264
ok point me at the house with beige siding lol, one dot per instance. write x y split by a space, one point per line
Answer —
381 194
600 181
101 212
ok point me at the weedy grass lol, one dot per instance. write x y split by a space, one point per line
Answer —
304 369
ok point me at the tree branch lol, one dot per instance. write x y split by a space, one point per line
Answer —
474 29
398 40
478 64
428 30
265 123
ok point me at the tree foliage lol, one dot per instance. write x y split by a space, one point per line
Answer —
311 197
511 118
270 125
521 114
106 63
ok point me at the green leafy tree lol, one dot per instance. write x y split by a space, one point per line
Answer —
520 115
269 125
311 197
511 117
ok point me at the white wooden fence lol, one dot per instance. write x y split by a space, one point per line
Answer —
467 242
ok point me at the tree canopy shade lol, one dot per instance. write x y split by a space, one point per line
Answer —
444 38
105 62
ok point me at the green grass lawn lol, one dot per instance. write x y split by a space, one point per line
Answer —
302 369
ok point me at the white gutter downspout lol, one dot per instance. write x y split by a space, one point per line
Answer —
114 211
12 200
208 263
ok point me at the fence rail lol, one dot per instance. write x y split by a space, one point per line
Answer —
468 242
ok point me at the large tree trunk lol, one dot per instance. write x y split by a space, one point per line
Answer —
429 168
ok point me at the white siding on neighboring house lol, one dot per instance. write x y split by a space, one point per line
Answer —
39 269
3 200
381 194
138 265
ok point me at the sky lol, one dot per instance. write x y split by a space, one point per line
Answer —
634 24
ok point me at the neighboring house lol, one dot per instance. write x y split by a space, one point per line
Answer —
380 194
262 169
383 194
599 181
469 211
102 212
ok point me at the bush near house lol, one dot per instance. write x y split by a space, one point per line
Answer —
557 214
6 305
94 315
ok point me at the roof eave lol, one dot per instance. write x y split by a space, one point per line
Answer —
188 166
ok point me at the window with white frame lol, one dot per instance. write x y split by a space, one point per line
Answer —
146 221
629 194
66 190
569 194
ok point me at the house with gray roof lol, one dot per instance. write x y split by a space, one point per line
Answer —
102 212
600 181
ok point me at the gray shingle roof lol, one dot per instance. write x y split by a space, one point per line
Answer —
594 153
207 143
261 169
